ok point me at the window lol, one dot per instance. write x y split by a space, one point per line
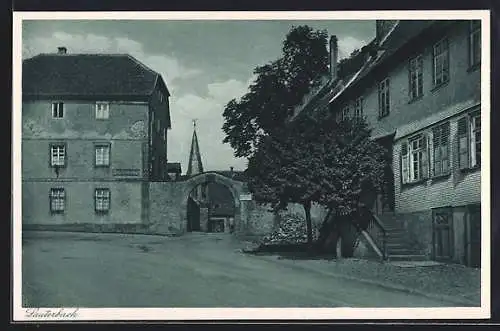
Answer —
440 145
476 140
469 141
474 43
102 110
358 107
102 155
345 112
165 134
57 200
383 98
57 110
440 57
414 160
102 199
57 155
415 75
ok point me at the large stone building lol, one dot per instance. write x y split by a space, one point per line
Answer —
94 136
417 83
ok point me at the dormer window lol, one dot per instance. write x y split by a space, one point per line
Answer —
57 110
102 110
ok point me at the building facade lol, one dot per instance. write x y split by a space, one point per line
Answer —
94 136
418 85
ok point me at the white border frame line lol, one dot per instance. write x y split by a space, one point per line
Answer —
178 314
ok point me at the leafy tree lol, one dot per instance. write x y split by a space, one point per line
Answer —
317 159
281 171
279 87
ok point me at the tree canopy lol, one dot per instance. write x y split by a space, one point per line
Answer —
278 88
317 159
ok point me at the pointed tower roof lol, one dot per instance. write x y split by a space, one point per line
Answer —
195 166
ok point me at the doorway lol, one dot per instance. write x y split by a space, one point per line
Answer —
442 234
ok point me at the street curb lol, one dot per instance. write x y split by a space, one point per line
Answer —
447 298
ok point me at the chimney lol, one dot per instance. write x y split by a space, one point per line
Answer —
382 28
62 50
334 54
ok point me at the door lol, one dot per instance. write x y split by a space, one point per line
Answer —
474 250
442 234
193 215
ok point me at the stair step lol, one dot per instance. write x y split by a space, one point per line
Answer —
395 230
393 245
402 251
407 257
396 234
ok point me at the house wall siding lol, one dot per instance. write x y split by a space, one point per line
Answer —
457 189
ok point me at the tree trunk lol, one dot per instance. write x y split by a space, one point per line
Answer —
307 209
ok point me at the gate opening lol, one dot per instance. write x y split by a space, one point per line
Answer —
211 208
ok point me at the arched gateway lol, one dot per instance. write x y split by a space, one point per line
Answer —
204 179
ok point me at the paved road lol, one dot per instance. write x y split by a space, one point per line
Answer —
197 270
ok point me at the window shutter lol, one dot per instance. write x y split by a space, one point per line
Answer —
404 163
445 148
436 155
425 157
463 144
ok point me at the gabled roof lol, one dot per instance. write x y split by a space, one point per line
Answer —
103 76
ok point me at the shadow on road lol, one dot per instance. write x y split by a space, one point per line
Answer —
300 251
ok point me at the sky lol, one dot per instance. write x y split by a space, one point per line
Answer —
204 64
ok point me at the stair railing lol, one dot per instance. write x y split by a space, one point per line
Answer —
374 232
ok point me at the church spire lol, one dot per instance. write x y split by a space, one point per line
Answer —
195 165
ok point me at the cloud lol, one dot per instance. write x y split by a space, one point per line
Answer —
349 44
169 67
207 110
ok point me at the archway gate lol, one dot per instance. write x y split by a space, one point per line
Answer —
168 201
